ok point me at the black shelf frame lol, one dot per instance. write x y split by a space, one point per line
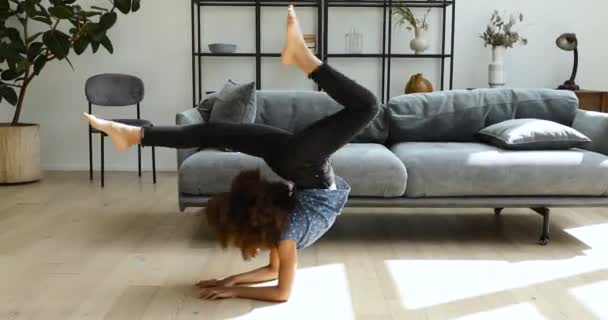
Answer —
387 54
322 6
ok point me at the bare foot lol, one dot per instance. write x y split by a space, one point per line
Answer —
123 136
294 44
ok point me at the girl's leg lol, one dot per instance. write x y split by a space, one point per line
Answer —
323 138
253 139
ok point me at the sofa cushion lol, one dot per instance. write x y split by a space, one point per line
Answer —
296 110
532 134
209 171
205 106
455 116
475 169
235 104
371 170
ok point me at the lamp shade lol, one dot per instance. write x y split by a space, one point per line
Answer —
567 42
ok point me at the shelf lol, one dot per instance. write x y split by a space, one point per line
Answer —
386 3
250 3
236 54
393 55
422 56
330 3
354 55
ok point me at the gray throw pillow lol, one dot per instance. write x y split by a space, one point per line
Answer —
235 104
532 134
206 105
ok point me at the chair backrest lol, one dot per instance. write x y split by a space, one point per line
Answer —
114 90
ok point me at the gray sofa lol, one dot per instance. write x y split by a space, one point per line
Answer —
420 151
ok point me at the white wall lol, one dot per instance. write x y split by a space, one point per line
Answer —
154 44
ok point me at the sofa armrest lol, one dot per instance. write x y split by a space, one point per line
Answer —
595 126
192 116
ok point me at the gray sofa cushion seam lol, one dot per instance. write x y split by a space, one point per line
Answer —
481 107
574 139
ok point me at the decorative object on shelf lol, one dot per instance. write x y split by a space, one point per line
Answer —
61 27
417 84
569 42
222 48
496 76
404 16
500 34
311 41
354 41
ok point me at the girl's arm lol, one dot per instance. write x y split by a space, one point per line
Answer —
263 274
287 254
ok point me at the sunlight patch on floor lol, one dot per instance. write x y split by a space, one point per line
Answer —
593 297
424 283
593 236
319 293
517 311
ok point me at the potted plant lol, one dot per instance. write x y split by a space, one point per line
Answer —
32 34
403 15
501 34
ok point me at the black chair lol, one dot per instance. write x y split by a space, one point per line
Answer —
116 90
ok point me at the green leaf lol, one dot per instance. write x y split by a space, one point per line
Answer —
81 45
30 8
70 63
34 50
106 43
46 20
95 32
4 6
99 8
57 42
61 12
10 74
9 52
39 63
34 37
136 5
95 46
9 94
108 20
89 14
123 5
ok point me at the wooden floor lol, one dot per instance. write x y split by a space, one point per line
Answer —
71 250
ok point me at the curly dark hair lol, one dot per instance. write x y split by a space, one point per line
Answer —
253 215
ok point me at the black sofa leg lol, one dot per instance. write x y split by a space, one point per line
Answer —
545 212
498 211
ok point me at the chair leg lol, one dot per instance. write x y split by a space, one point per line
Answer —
102 162
154 165
139 159
90 154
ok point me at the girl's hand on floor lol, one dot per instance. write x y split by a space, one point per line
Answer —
213 283
217 293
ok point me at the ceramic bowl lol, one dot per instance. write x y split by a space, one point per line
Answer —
222 47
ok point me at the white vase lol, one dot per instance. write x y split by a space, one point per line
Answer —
419 44
496 69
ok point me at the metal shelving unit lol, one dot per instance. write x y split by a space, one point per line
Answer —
323 7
